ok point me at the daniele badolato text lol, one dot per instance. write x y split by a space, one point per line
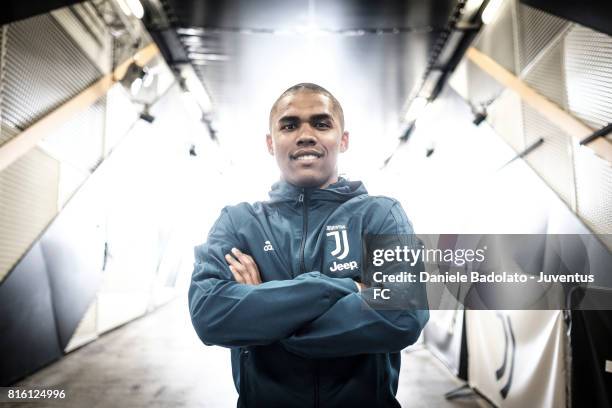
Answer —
388 268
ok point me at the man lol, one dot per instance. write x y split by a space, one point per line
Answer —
278 282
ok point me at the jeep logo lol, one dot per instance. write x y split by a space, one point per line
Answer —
342 266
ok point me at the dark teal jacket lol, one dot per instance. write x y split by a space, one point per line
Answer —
304 337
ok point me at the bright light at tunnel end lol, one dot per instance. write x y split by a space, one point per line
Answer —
416 109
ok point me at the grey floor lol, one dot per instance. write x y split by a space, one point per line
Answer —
158 361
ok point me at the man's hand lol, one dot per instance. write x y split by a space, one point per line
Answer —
243 267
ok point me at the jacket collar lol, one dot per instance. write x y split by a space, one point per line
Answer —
342 190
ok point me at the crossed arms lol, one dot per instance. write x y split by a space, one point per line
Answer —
312 315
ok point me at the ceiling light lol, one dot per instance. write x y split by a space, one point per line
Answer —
192 40
207 57
189 31
309 30
490 12
198 48
136 8
131 8
124 7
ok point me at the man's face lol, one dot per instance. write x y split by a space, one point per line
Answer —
305 137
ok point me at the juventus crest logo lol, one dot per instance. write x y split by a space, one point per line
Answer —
342 245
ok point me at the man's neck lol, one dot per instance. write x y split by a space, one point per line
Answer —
328 183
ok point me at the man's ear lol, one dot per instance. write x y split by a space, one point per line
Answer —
344 141
270 144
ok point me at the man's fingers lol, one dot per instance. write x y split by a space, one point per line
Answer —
251 267
241 269
244 259
232 261
238 270
244 267
237 276
256 276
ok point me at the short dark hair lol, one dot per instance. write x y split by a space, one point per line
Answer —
308 86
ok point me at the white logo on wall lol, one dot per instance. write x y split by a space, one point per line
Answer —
340 235
268 246
507 367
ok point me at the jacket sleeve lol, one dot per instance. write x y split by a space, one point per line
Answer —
227 313
351 326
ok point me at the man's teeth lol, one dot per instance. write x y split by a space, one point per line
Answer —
306 157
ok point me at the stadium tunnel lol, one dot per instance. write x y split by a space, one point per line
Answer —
127 125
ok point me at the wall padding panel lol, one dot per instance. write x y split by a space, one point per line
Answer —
488 41
481 86
546 75
44 68
29 333
553 159
506 117
80 140
28 201
594 189
588 65
571 65
536 29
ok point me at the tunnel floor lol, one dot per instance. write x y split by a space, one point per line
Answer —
158 361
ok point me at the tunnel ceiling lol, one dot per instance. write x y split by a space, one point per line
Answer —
371 54
14 10
330 14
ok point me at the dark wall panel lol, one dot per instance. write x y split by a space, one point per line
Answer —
591 353
28 334
45 296
73 249
13 10
595 14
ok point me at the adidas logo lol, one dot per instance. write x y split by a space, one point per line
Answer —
268 246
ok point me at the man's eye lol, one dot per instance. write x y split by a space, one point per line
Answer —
322 125
289 126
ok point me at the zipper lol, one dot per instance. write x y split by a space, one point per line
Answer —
303 198
244 355
316 385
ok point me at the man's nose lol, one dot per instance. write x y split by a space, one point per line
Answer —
306 137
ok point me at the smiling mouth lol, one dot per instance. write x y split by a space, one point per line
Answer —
306 156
